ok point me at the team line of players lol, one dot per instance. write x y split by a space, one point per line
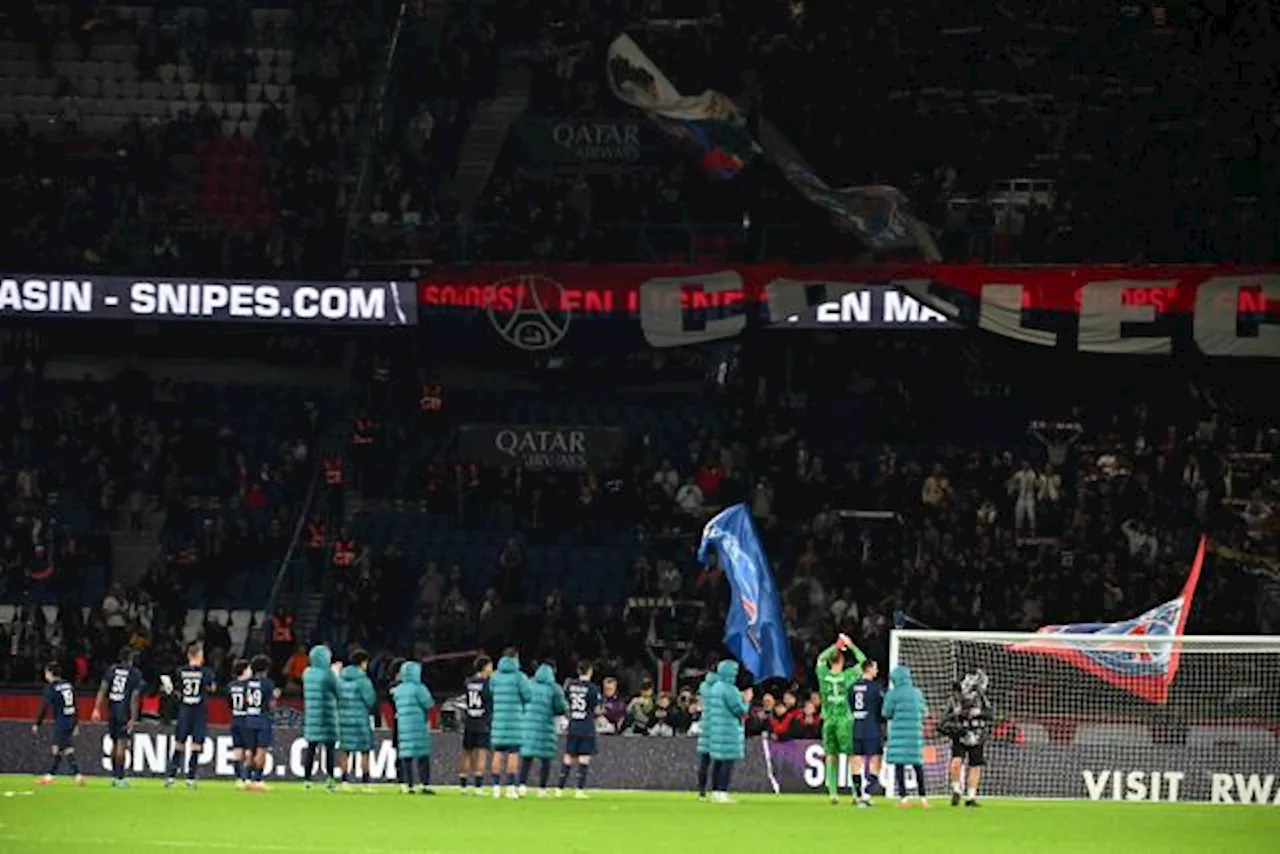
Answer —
508 723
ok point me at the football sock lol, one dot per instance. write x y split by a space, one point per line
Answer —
582 776
564 775
833 777
544 773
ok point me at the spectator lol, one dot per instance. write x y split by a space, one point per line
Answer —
640 711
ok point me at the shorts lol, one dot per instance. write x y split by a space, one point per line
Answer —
475 740
192 725
837 738
258 739
62 737
239 736
118 729
506 748
869 746
972 755
580 745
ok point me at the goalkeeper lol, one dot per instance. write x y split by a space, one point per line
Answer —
967 722
836 675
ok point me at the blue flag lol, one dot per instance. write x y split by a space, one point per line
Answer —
753 631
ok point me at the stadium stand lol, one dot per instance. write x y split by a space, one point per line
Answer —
239 141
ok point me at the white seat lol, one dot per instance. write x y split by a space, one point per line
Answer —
247 129
229 128
150 88
253 112
168 73
50 613
267 56
219 109
7 613
185 74
171 91
111 89
130 89
239 635
190 634
259 617
262 73
218 615
211 92
195 617
1033 733
241 618
284 74
84 615
1099 735
191 91
271 93
235 110
254 93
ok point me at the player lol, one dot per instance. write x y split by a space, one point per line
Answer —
319 715
193 682
121 690
967 723
704 731
356 703
413 702
59 700
905 711
583 699
511 694
242 672
476 721
539 739
835 680
260 695
866 698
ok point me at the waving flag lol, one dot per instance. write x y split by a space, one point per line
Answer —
1146 670
753 630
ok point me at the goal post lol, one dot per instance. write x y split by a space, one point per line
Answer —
1109 717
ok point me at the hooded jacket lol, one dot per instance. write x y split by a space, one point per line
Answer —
538 731
704 724
320 698
412 701
727 740
356 702
904 709
511 693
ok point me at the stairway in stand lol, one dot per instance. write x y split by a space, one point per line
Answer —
486 135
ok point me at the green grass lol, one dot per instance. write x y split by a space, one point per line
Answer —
216 817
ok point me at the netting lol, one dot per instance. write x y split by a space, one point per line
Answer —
1139 719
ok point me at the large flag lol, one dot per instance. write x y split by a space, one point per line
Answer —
1146 670
711 122
753 630
877 214
715 126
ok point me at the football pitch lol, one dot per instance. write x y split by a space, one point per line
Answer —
217 818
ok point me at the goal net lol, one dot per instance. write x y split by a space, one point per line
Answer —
1109 718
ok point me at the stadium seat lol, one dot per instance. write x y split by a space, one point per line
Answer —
50 613
1215 739
241 618
1110 735
7 614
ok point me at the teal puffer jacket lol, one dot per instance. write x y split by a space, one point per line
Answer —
511 693
538 738
728 737
320 698
704 725
413 701
904 709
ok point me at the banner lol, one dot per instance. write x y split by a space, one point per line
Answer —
587 144
1109 772
1112 772
538 447
710 122
209 300
1225 310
